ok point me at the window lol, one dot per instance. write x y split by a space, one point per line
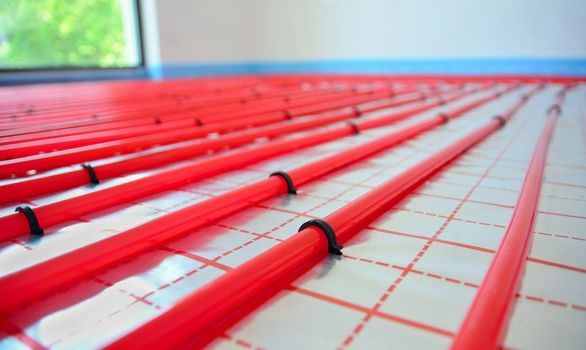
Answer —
40 34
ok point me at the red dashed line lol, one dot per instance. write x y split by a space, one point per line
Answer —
430 241
453 219
561 236
553 302
558 303
297 215
239 342
22 244
456 281
561 214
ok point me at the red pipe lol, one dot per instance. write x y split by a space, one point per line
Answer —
485 323
134 107
26 189
83 154
199 109
17 135
16 224
32 282
219 302
172 99
148 95
28 148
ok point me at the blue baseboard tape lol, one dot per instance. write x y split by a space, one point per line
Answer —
571 67
542 67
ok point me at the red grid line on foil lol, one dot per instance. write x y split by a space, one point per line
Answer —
438 240
240 342
297 215
213 262
464 283
519 161
356 332
442 181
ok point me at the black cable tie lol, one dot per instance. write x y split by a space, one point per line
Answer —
554 108
31 217
197 121
158 120
333 246
355 128
290 187
288 115
357 111
501 120
445 117
92 173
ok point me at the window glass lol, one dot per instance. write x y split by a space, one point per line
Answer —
68 33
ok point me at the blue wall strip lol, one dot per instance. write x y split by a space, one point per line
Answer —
543 67
514 66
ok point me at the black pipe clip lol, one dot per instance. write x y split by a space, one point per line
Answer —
333 246
355 128
92 173
31 217
290 187
501 120
197 122
555 108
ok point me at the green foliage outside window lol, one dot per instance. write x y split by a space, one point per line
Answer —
62 33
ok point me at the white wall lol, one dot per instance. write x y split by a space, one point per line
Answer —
213 31
196 31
